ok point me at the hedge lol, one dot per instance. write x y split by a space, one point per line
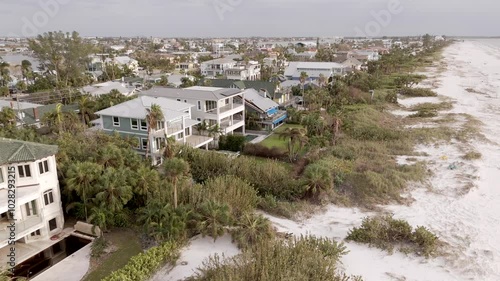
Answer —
140 267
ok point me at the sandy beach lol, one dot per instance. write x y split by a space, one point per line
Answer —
462 206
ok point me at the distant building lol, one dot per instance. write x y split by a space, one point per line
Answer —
105 88
314 69
217 67
266 110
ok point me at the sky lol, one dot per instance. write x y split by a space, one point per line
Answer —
244 18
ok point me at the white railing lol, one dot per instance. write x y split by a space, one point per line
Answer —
20 227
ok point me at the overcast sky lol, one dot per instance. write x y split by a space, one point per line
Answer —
242 18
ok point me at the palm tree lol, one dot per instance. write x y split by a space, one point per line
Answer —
86 105
175 169
296 139
7 117
154 115
168 151
148 182
114 190
317 178
26 69
252 228
4 73
100 216
213 218
322 80
202 127
55 118
215 131
303 79
81 178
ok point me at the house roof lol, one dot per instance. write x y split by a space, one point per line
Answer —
264 104
15 151
137 108
17 105
196 93
245 84
29 114
313 69
106 87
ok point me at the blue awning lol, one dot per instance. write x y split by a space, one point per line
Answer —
280 119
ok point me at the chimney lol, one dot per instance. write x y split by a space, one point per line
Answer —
35 114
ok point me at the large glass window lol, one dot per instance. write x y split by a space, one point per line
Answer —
43 167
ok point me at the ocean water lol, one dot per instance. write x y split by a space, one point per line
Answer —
16 59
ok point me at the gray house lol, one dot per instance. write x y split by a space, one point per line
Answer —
129 120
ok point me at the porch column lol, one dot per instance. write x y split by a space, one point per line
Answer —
183 129
243 112
206 146
218 113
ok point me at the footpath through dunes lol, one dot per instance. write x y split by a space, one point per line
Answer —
460 203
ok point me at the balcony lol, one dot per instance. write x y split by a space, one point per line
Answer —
229 108
196 141
23 228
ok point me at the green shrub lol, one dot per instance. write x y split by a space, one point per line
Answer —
232 142
251 229
385 232
417 92
305 258
140 267
391 97
424 113
98 247
273 206
259 150
472 155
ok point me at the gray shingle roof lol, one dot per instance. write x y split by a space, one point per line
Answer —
262 103
16 151
196 93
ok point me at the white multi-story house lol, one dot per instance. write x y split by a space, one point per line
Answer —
38 212
242 71
216 67
314 69
214 106
129 120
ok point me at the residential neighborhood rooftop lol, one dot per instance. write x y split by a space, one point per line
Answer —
16 151
195 92
137 108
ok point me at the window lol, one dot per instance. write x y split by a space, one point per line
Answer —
1 175
48 197
144 125
116 121
52 224
24 171
180 136
134 124
199 105
178 99
31 208
144 144
198 119
187 131
43 167
35 233
210 105
185 101
160 125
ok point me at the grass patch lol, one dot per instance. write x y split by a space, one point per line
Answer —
275 207
387 233
417 92
127 245
472 155
274 139
432 106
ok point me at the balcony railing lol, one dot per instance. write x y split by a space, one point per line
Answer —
226 108
227 123
20 227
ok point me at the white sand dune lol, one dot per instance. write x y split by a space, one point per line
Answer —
468 220
194 255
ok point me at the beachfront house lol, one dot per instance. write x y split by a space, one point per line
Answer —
314 69
129 120
214 106
37 211
263 110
